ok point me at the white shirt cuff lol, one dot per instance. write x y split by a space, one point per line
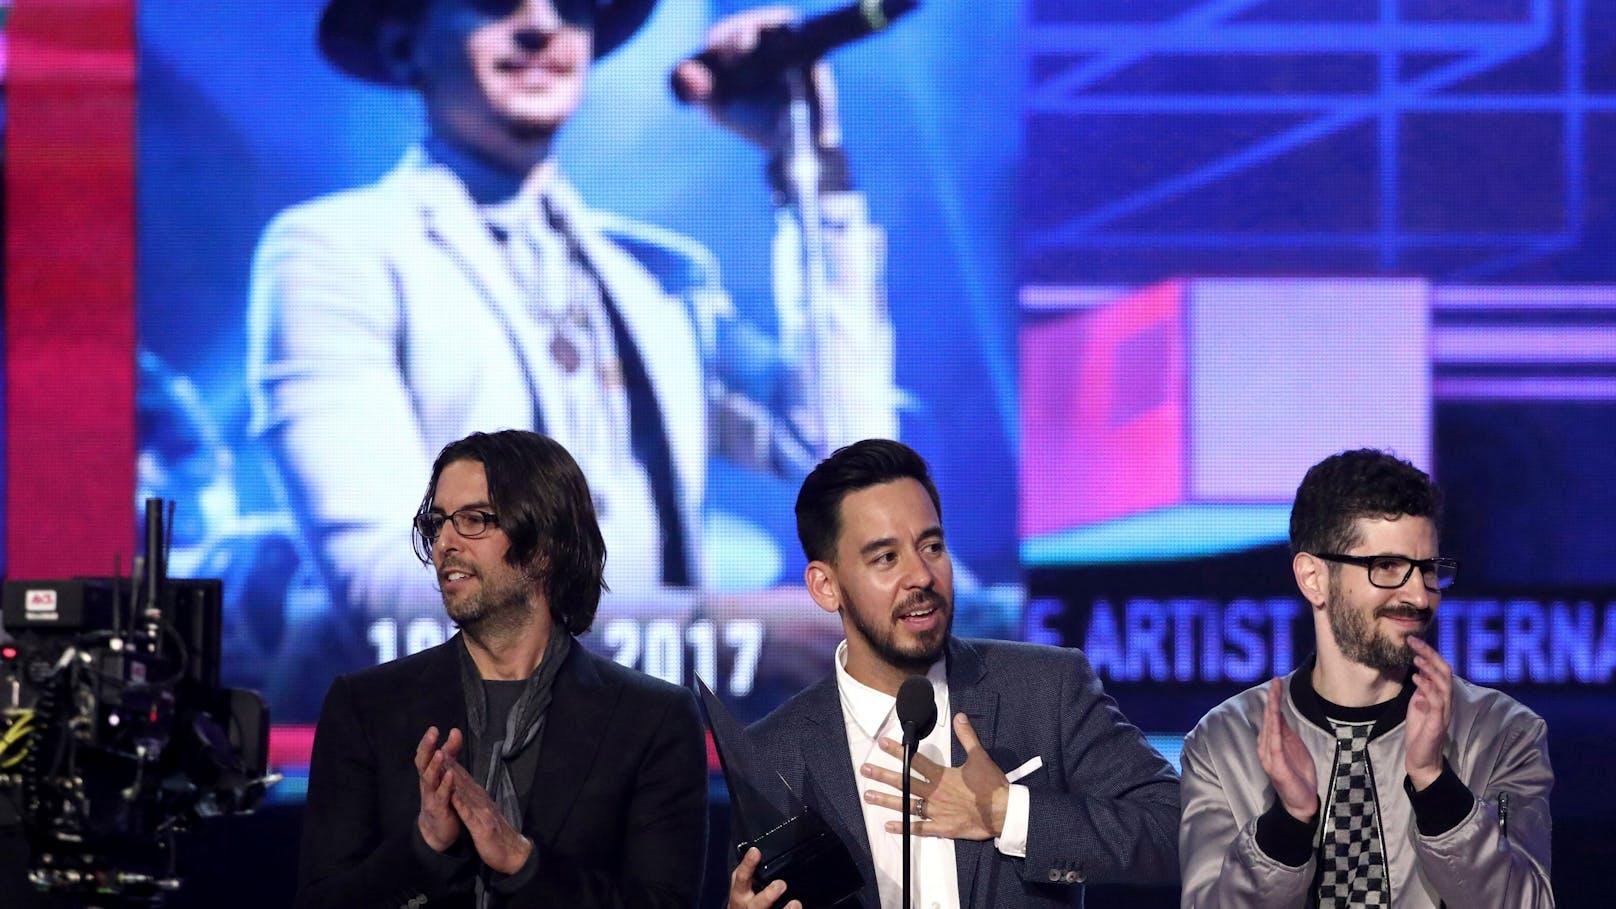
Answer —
1013 841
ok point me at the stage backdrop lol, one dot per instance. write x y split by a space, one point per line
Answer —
1143 263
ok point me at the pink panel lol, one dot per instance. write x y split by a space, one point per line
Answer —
1103 411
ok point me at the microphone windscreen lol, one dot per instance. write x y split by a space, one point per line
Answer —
916 705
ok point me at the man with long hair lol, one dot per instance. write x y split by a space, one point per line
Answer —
508 765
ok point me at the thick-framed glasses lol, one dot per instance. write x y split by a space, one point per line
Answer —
1391 572
470 523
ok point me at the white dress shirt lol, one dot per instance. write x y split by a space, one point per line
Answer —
869 716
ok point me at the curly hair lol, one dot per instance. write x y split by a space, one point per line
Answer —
1363 483
545 509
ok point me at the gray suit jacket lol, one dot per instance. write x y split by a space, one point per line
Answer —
1103 806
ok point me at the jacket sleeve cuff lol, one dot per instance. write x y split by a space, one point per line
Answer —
1283 838
1443 804
510 884
439 867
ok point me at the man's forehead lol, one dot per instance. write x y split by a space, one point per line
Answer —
1388 532
460 479
886 509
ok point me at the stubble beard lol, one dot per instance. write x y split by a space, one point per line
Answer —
497 607
915 660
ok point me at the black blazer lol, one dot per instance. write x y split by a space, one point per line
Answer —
617 812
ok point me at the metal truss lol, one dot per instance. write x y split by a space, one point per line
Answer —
1081 70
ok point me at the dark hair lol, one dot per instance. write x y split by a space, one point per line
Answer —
1365 483
849 469
544 507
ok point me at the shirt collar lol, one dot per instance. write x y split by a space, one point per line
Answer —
486 182
1312 707
868 707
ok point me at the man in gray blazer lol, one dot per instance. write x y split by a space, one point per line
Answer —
1085 797
471 288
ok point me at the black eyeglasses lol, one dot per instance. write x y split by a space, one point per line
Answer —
470 523
1390 572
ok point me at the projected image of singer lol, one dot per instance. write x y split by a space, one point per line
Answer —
1031 783
472 288
507 766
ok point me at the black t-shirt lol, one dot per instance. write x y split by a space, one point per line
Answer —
500 696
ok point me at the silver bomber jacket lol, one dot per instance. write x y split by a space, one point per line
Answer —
1497 856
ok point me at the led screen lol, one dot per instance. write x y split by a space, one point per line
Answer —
1120 270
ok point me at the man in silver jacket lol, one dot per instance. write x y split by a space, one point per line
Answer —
1370 776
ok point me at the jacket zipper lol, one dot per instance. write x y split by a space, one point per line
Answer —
1380 822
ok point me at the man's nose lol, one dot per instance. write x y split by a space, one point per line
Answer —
449 539
537 21
917 572
532 39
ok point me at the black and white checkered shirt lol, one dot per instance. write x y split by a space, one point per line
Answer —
1352 851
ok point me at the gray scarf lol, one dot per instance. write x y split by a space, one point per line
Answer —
524 726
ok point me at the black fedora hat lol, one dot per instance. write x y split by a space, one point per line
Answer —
348 31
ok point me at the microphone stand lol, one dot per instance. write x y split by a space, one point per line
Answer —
910 746
803 173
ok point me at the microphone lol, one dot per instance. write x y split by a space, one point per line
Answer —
917 714
917 710
709 77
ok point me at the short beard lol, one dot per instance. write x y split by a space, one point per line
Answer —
917 660
495 610
1359 641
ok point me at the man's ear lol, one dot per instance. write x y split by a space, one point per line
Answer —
395 47
1312 578
820 577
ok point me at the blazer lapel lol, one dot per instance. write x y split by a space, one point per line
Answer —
579 714
967 695
828 784
438 699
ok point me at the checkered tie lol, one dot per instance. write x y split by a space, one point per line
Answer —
1352 858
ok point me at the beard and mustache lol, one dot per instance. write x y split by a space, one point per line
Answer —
914 658
1361 642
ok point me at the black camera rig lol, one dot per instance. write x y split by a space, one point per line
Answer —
116 733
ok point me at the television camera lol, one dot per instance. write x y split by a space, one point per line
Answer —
116 734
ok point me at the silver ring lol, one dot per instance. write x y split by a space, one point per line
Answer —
920 807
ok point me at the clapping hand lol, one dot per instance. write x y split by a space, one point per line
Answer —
439 824
1428 714
500 846
1286 760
